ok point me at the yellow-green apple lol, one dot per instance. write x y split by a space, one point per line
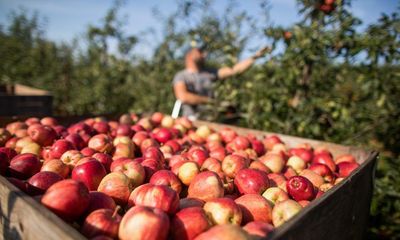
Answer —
22 142
325 158
304 203
33 148
188 171
124 150
156 196
145 123
232 164
188 223
144 223
71 157
251 181
41 181
346 168
254 208
101 143
59 147
101 222
273 161
206 186
116 185
275 195
345 158
224 232
314 178
68 199
214 137
296 163
223 211
300 188
56 166
203 131
90 173
14 126
24 166
258 229
283 211
323 171
167 121
167 178
99 200
259 166
326 186
190 202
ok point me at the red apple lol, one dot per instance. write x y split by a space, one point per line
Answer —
285 210
223 211
324 158
206 186
56 166
270 141
224 232
227 135
21 185
251 181
346 168
24 166
59 147
76 140
133 170
300 188
116 185
88 152
90 173
258 229
104 159
156 118
101 127
277 180
345 158
157 196
212 164
259 166
99 200
101 222
167 178
49 121
188 223
151 166
305 154
67 198
41 181
101 143
323 171
10 153
153 152
232 164
254 208
218 153
198 155
163 135
144 223
43 135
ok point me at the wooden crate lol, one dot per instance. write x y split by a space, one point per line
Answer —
341 213
20 100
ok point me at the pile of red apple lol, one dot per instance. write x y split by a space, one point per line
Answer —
157 177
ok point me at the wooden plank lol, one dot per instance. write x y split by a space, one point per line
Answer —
24 218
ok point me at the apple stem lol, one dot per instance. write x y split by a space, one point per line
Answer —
117 208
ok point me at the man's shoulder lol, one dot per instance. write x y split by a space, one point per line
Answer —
181 72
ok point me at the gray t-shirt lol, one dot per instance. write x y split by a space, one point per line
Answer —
200 83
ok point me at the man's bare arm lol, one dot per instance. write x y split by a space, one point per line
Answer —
185 96
242 66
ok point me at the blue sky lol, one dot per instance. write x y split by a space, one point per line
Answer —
67 19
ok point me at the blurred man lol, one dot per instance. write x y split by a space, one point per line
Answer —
193 86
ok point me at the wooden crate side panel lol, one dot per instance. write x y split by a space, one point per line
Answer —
23 218
26 105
